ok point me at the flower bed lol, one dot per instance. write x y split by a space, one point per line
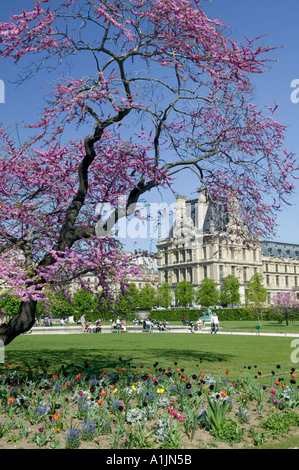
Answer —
134 408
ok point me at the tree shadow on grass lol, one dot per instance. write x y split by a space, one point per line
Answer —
95 362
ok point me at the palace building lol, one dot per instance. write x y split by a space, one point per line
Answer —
191 252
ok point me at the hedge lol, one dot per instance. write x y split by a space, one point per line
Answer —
225 314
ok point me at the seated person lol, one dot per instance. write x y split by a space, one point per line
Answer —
98 326
123 325
148 324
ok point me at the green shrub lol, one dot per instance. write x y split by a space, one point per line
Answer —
224 314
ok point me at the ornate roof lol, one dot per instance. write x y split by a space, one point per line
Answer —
280 249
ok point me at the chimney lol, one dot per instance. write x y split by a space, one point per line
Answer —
201 211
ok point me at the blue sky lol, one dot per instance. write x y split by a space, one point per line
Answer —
252 18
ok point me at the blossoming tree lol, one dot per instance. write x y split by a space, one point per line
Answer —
286 303
152 88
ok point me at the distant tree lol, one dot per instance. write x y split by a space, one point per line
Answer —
133 297
207 293
123 306
184 293
147 297
164 295
127 301
9 304
104 312
85 302
57 306
256 295
285 304
229 292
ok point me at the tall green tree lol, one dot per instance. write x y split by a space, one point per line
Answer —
128 302
9 304
207 293
59 306
164 295
133 297
147 297
184 293
229 292
256 296
85 302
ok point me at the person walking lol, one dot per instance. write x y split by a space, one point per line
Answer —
215 323
83 321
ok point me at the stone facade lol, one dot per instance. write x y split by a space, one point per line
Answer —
191 252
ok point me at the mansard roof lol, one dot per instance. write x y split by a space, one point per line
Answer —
280 249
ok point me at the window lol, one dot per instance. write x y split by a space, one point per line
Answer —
244 253
205 272
287 280
295 270
285 268
268 280
233 270
204 252
255 270
296 281
189 255
221 272
277 281
276 268
267 268
232 252
245 274
254 255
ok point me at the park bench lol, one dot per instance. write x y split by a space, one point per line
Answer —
147 329
118 329
258 329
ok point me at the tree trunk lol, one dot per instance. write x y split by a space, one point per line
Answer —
20 323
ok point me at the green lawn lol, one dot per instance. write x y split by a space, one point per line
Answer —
267 326
270 326
192 352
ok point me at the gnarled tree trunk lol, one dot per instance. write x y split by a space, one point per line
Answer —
20 323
